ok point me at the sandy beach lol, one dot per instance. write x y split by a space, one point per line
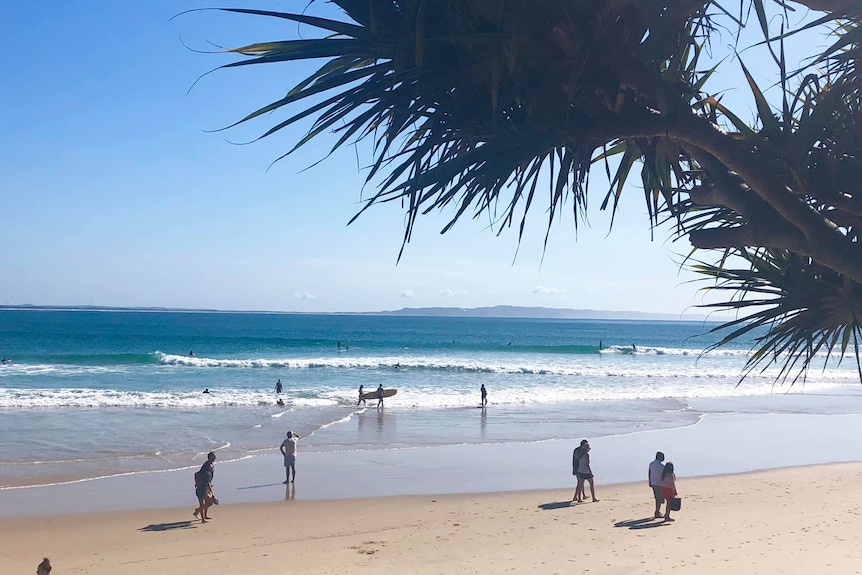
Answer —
799 520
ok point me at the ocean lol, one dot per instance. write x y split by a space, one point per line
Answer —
91 394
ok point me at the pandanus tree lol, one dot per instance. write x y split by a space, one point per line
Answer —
502 107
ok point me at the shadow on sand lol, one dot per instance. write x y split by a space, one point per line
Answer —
168 526
645 523
555 505
261 485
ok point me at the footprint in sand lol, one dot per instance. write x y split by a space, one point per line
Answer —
369 547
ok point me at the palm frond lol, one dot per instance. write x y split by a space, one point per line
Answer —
805 308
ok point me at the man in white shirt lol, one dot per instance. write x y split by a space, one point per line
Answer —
288 450
655 471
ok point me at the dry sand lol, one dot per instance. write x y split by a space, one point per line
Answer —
801 520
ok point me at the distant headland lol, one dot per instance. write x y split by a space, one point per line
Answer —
498 311
513 311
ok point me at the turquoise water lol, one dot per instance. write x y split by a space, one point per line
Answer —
89 393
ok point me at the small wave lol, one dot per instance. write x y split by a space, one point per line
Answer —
445 363
97 359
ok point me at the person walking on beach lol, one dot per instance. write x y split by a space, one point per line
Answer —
288 450
204 487
656 468
585 472
380 395
278 386
361 399
668 487
484 396
576 459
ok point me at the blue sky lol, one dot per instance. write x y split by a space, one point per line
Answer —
113 193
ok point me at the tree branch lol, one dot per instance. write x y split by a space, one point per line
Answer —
824 242
838 7
740 237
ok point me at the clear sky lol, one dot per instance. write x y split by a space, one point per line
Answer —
113 193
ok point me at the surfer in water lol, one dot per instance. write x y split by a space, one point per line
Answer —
191 353
380 395
361 399
5 360
278 386
280 402
206 390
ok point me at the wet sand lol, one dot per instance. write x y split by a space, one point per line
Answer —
800 520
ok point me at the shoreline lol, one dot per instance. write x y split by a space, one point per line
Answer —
757 522
718 445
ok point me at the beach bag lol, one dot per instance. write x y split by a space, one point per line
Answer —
674 503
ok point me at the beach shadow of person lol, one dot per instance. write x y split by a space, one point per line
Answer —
555 505
168 526
261 485
645 523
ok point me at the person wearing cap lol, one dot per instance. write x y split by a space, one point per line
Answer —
288 450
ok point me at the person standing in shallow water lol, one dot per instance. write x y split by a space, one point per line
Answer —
361 399
484 396
278 386
288 450
380 395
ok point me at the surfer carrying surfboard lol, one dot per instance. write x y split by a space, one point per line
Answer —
361 399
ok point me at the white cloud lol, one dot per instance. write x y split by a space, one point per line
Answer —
542 290
407 293
304 295
452 292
